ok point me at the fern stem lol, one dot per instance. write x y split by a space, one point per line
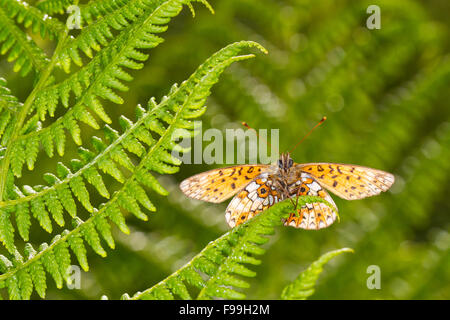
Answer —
210 245
24 111
224 266
281 208
154 148
88 165
77 228
137 25
91 163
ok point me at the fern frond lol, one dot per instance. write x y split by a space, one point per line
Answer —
98 80
14 154
303 286
107 156
99 8
9 106
54 6
22 49
224 261
97 35
32 17
175 111
119 15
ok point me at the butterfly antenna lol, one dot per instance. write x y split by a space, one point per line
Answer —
250 128
307 135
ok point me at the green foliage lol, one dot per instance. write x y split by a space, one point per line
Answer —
225 261
24 51
303 286
131 156
54 6
384 93
174 112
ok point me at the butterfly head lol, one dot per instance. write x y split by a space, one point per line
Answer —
285 162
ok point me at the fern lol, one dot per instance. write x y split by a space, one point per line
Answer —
32 17
54 6
303 287
9 106
132 156
98 79
224 262
381 89
28 55
22 49
175 111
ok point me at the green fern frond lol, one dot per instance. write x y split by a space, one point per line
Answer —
45 203
98 80
54 6
29 16
303 286
225 261
22 49
97 35
130 16
97 9
107 156
9 106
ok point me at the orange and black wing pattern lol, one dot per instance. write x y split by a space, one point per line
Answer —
315 215
220 184
349 181
255 197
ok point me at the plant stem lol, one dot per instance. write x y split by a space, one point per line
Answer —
24 111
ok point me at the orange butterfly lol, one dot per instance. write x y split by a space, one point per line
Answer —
257 187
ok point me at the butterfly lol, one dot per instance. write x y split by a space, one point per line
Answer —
257 187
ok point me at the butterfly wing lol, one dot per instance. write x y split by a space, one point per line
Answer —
311 216
261 193
220 184
256 196
348 181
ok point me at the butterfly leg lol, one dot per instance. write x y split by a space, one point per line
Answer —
296 202
293 203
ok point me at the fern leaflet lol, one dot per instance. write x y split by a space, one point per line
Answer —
303 286
109 156
224 261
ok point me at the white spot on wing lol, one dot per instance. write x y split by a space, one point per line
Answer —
314 186
252 186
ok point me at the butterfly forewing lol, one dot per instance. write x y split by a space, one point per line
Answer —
348 181
218 185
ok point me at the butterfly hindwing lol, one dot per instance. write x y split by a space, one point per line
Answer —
311 216
220 184
255 197
348 181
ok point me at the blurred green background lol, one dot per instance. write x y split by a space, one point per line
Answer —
386 95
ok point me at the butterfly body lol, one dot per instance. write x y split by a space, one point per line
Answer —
257 187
